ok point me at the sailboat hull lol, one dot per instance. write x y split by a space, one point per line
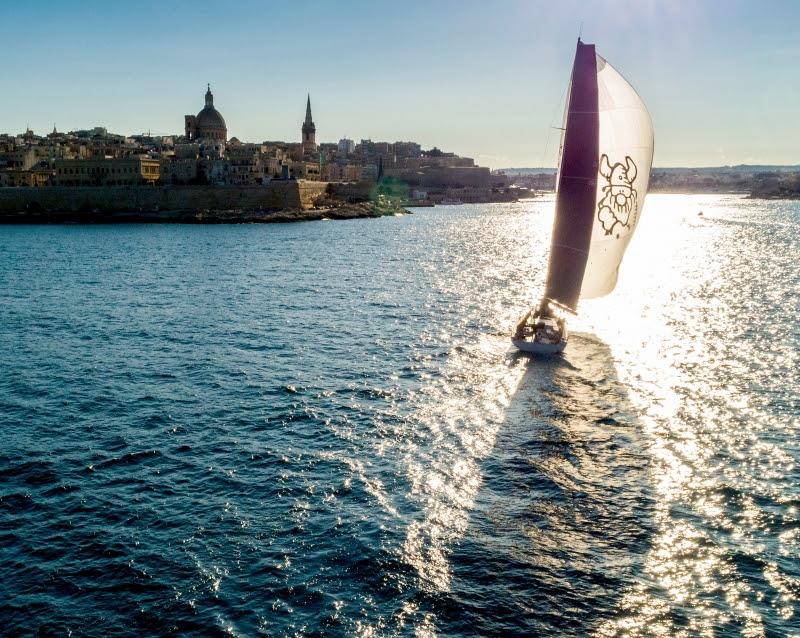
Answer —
534 347
540 332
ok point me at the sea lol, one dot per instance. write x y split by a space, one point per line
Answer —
322 429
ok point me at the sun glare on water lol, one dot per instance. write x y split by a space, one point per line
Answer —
676 326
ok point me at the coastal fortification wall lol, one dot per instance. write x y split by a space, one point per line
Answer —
277 195
352 191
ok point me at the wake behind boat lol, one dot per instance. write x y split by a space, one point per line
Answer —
603 174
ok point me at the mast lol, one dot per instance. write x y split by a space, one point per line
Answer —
577 184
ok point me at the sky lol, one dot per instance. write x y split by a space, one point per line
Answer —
483 79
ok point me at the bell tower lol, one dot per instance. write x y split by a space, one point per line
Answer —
309 130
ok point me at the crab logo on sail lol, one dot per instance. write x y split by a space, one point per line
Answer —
618 207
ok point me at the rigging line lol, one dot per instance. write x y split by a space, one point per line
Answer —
553 117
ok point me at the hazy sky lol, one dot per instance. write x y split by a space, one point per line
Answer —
483 79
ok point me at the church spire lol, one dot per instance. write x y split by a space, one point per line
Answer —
209 96
309 130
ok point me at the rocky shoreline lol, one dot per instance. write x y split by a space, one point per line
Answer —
338 211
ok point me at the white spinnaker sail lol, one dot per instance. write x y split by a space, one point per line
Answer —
625 156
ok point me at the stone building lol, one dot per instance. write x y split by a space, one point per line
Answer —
178 170
346 146
35 178
336 172
106 172
22 159
208 124
305 170
247 166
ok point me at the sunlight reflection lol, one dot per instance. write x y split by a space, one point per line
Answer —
682 343
673 351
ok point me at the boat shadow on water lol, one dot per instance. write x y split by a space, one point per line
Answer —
563 519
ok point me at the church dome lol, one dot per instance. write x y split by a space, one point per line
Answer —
209 123
210 117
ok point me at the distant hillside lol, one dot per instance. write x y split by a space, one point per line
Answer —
748 169
740 168
765 181
526 171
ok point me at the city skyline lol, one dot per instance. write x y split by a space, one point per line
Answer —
483 81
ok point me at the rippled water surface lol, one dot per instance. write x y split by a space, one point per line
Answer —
319 429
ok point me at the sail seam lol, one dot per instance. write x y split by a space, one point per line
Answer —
577 250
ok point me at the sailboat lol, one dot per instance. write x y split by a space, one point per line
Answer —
603 173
